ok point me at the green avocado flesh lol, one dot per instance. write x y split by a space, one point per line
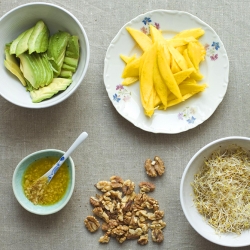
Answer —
56 50
58 84
44 64
36 69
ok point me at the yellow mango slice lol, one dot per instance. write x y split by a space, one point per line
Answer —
156 34
141 39
196 74
178 57
196 53
174 66
131 69
127 59
187 90
181 48
147 91
180 41
157 102
196 33
130 80
166 73
182 75
160 86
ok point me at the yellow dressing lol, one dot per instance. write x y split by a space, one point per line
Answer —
57 187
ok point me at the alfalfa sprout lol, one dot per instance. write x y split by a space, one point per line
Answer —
222 190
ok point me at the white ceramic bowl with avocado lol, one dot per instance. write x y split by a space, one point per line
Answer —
45 48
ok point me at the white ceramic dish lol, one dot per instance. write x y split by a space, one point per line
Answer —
186 115
186 195
56 18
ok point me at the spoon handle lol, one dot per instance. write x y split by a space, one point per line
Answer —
76 143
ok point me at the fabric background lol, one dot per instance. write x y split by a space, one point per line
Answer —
114 145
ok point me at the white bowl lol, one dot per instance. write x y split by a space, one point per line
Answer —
56 18
17 181
186 192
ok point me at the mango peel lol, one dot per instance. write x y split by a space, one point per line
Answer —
167 70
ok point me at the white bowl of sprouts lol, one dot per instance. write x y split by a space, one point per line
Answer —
215 191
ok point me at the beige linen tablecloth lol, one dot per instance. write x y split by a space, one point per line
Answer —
114 145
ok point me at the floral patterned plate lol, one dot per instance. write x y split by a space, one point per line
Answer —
185 115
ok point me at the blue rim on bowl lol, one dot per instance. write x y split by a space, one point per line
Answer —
18 189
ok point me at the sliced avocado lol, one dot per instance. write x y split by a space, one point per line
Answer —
15 42
36 69
56 50
71 61
39 38
68 67
12 65
22 45
73 48
58 84
66 73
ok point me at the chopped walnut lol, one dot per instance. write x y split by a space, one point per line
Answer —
98 211
104 239
116 181
155 167
158 224
104 186
143 240
91 223
128 187
157 235
94 201
157 215
146 187
128 206
120 230
134 233
126 215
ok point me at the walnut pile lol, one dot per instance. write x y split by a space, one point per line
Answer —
125 214
155 167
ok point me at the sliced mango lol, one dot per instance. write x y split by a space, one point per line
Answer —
160 86
166 73
182 75
156 34
130 80
196 74
142 39
196 33
147 91
196 53
187 89
168 69
127 59
131 69
178 57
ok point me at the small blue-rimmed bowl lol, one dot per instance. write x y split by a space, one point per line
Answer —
18 189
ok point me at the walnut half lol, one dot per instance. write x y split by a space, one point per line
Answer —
91 223
155 167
